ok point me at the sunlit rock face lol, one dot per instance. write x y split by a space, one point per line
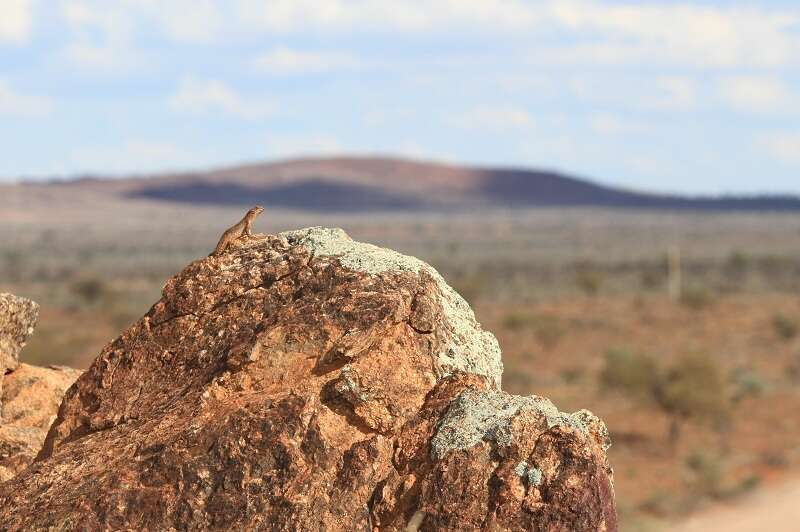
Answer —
304 381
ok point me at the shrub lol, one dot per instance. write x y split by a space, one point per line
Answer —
785 327
651 278
706 474
634 374
691 388
517 321
548 329
572 375
746 383
696 298
737 265
589 281
89 289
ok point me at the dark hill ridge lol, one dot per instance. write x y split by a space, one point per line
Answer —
353 184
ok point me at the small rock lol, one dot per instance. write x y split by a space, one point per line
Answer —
17 320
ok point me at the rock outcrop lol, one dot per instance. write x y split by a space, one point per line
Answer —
305 381
29 395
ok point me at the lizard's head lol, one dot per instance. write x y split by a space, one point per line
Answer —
255 211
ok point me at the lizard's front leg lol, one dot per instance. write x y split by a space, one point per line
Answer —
247 234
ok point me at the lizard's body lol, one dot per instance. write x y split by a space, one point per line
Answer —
241 229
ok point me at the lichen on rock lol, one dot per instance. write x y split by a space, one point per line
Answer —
304 381
477 416
468 348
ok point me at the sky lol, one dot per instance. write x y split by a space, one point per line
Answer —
693 97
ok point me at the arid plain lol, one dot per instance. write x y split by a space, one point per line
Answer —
578 298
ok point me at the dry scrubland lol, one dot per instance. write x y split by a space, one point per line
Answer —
701 395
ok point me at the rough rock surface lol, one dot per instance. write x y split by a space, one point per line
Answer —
28 405
308 382
17 319
29 395
32 394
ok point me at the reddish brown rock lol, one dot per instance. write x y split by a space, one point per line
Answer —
28 405
32 394
308 382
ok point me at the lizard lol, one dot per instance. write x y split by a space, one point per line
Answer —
239 230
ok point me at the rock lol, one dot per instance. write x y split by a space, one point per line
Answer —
29 395
28 405
32 394
18 448
308 382
17 319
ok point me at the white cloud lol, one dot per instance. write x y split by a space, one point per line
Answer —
494 118
685 34
756 93
101 37
186 20
783 146
608 32
370 16
132 157
283 60
201 96
15 21
179 20
15 103
598 32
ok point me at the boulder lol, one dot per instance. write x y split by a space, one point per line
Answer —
29 395
17 319
304 381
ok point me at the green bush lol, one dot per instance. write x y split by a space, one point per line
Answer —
589 281
691 388
89 289
785 327
634 374
517 321
697 298
746 383
548 329
707 475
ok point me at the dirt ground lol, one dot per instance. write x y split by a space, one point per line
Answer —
776 509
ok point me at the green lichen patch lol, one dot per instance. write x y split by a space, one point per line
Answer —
486 415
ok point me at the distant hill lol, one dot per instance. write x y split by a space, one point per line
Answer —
353 184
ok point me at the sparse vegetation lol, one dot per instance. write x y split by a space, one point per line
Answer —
634 374
786 328
746 383
690 388
589 281
548 329
523 288
90 289
697 297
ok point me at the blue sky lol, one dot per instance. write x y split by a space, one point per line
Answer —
694 97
